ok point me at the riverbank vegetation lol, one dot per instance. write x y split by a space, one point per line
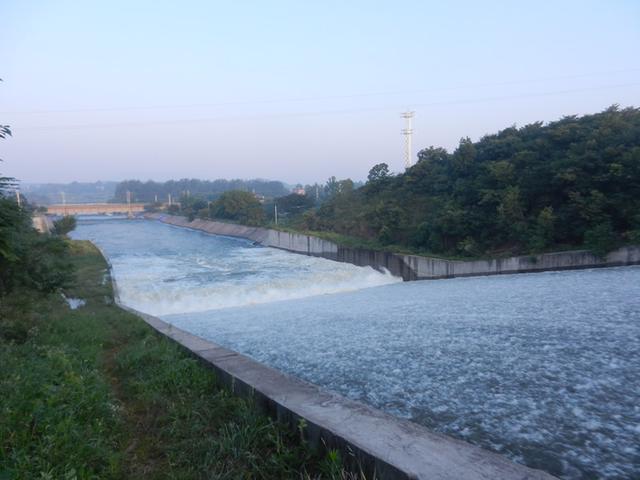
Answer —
207 190
572 183
96 393
91 391
28 260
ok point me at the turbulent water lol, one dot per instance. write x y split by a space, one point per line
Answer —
542 367
163 270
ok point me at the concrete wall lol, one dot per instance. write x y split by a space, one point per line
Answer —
42 224
370 441
409 267
432 268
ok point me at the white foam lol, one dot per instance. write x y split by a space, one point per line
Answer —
147 291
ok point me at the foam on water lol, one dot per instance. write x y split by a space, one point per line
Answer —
185 271
541 367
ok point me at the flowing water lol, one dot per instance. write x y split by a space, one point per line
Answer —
544 368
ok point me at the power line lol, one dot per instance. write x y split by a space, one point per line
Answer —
319 98
323 113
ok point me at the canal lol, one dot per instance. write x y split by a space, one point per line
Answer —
540 367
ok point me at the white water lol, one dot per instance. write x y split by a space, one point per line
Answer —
185 271
542 367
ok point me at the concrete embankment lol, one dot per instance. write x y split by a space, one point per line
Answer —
42 223
370 441
409 267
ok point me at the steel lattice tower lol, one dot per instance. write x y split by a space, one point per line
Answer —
407 132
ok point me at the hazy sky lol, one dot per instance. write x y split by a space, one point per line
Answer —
292 90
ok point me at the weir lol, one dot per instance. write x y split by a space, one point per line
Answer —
371 442
409 267
472 358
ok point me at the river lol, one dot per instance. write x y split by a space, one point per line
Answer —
543 368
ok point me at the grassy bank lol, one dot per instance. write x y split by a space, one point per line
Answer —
96 393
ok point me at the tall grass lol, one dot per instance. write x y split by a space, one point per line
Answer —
96 393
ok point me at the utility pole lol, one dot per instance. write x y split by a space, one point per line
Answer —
156 199
407 131
130 214
18 197
275 210
169 195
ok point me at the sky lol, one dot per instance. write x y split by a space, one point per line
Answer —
296 91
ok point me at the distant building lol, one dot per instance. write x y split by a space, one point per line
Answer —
259 197
299 191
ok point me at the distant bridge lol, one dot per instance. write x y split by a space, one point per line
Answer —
94 208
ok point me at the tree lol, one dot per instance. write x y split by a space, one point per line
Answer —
27 258
65 225
331 187
571 182
464 157
378 173
239 206
600 239
294 204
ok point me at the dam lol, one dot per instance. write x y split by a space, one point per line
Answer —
539 367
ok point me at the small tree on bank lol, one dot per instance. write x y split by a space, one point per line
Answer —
65 225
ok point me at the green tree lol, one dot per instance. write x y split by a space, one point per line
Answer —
600 239
238 206
543 233
379 172
27 258
537 187
65 225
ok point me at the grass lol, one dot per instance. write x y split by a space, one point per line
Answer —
96 393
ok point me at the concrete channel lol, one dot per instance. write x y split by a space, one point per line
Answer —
409 267
371 442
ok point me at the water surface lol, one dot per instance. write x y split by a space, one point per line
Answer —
541 367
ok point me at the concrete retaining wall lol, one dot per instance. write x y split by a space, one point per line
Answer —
409 267
370 441
42 223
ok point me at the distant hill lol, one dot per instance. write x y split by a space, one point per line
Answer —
75 192
205 189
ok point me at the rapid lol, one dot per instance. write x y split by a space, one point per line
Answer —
540 367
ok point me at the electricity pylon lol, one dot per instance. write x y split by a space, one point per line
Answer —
407 132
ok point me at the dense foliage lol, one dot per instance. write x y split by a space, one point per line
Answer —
238 206
573 182
151 191
28 260
65 225
235 205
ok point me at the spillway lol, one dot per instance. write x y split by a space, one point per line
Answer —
541 367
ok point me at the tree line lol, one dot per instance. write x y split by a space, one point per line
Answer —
571 183
151 191
29 260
